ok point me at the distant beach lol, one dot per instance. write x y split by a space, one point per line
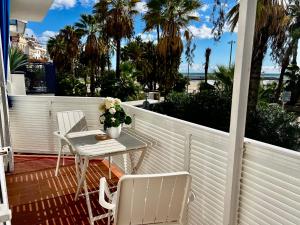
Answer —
196 78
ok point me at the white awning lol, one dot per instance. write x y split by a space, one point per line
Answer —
30 10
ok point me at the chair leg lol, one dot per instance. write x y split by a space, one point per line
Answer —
77 162
108 220
109 169
58 161
63 158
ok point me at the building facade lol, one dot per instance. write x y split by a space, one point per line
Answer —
31 47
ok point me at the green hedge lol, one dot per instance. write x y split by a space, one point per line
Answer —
269 123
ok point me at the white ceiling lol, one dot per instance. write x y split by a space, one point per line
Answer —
30 10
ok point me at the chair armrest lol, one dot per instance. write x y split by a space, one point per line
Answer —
191 197
104 191
62 137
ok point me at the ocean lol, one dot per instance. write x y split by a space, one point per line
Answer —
265 76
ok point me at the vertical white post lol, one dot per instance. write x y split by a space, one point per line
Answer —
247 15
4 111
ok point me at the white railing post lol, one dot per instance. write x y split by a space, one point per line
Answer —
5 132
247 15
187 151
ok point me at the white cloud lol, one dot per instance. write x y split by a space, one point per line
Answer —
141 7
29 33
46 35
270 69
207 18
146 37
88 3
202 32
195 67
63 4
195 14
204 7
227 28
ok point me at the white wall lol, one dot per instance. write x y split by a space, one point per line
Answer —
16 84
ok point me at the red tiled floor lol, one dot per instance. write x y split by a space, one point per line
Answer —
37 197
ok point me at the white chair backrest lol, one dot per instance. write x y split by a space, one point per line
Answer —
152 199
71 121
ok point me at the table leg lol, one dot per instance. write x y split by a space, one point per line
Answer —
139 163
82 177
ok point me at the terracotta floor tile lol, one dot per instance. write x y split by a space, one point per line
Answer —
38 197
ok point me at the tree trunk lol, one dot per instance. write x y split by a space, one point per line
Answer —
259 50
158 34
92 81
206 72
73 67
118 59
295 91
295 52
284 65
102 65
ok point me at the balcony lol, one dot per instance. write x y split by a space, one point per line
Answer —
269 183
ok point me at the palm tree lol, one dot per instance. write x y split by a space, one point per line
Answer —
87 27
224 78
176 16
153 17
120 24
206 66
291 49
72 41
270 28
17 59
57 51
101 12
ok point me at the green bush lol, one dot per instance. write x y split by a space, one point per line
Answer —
67 85
209 108
268 124
124 88
271 124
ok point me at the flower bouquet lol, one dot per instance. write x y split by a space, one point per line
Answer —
113 116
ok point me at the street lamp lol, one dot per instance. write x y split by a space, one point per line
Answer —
231 44
17 26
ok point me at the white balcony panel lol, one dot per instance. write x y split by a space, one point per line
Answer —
186 146
270 192
33 120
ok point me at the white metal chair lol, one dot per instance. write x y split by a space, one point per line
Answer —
73 123
147 199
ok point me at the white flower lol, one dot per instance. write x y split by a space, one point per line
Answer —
102 119
112 111
118 101
109 103
113 119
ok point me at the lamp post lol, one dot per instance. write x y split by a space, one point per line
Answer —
17 26
231 44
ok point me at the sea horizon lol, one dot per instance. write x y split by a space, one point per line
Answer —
200 76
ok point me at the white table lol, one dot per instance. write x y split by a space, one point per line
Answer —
87 147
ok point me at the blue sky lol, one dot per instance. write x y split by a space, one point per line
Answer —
66 12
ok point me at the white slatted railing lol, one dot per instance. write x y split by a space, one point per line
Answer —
270 175
270 185
33 120
186 146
